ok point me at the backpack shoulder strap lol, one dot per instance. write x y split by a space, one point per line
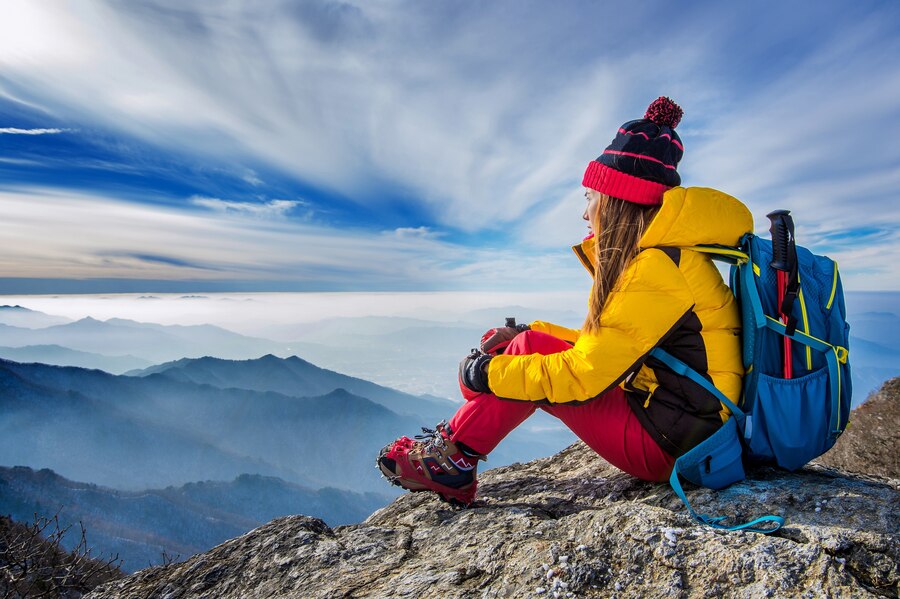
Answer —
682 369
723 253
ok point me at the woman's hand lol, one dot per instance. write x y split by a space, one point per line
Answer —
473 378
495 340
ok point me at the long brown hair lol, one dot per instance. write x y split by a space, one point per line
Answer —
622 224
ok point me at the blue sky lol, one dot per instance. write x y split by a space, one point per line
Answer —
274 146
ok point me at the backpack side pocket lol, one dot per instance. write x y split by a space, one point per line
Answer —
715 462
790 421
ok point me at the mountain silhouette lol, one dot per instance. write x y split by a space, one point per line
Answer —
63 356
138 432
20 316
153 342
293 376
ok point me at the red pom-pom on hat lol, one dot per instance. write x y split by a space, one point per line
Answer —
663 111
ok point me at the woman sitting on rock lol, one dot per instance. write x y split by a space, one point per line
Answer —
650 290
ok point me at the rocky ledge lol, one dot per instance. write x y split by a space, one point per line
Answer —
566 526
871 443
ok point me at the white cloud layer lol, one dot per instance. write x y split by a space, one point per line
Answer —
51 234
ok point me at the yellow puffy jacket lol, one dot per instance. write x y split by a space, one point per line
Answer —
669 297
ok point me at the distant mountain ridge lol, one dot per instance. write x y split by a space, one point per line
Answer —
21 316
135 432
153 342
293 376
57 355
272 374
139 526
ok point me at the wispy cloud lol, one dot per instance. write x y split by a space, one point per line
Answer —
158 259
252 178
19 161
15 131
270 209
415 233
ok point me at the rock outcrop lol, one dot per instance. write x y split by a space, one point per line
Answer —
871 443
567 526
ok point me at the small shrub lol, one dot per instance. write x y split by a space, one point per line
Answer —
34 564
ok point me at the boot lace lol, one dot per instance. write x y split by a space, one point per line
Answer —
433 438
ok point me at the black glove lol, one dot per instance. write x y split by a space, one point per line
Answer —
473 372
495 340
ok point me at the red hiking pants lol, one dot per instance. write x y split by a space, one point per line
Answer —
606 424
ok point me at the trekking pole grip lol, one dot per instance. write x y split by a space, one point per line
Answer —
780 239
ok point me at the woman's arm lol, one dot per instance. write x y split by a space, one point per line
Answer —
558 331
651 300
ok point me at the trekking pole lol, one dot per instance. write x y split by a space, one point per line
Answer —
784 261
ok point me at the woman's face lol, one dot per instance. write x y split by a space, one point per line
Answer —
590 211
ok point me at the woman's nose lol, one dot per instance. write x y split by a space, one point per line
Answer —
585 215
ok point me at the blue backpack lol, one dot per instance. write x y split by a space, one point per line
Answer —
784 292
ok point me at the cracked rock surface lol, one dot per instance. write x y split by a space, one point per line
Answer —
566 526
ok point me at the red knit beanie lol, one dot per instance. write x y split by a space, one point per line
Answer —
640 164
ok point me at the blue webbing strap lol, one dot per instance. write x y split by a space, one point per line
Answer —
751 294
799 336
778 521
683 369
